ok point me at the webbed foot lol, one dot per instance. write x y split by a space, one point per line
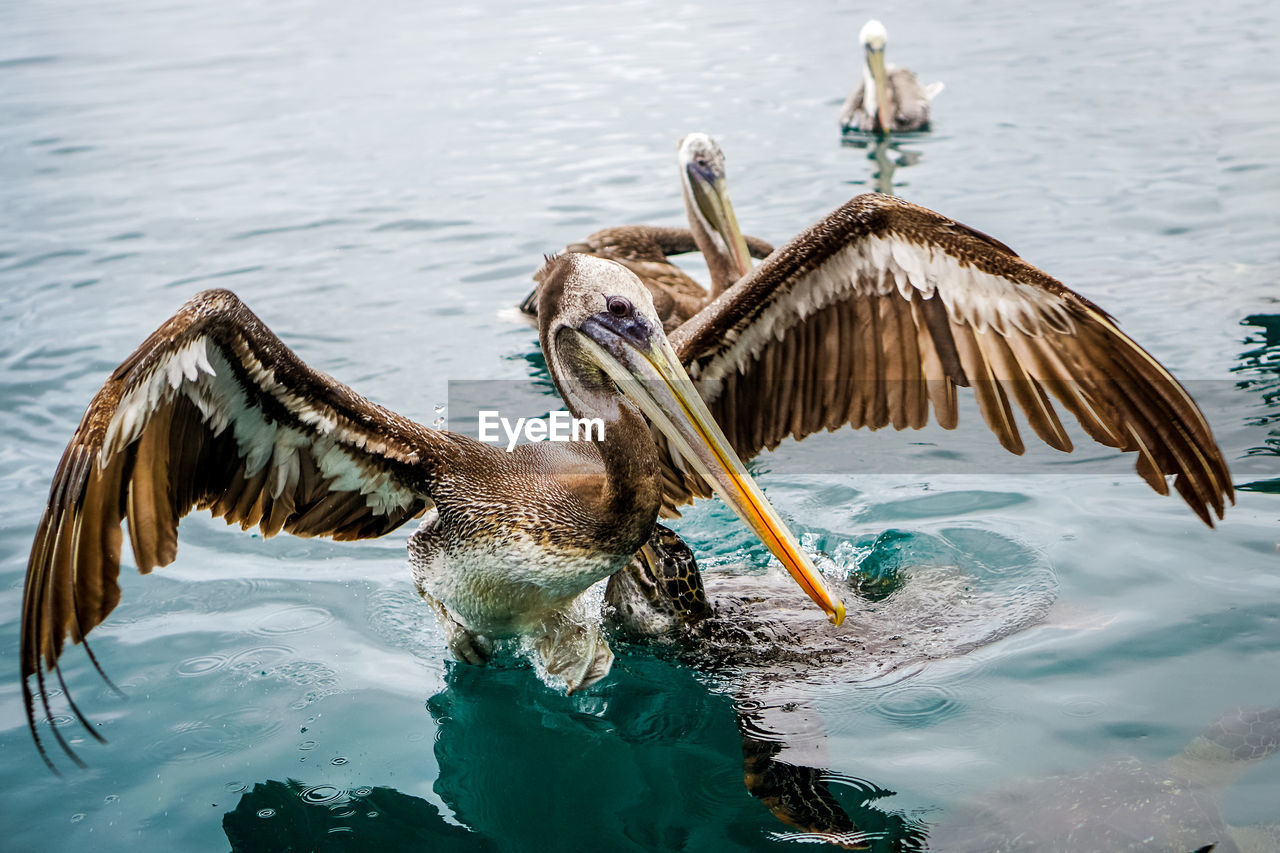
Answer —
576 653
463 644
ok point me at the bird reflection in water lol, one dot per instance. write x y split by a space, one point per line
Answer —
888 155
275 816
1260 365
667 754
652 760
693 732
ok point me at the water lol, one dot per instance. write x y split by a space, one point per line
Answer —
378 183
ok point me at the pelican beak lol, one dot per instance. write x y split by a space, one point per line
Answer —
711 195
884 110
640 360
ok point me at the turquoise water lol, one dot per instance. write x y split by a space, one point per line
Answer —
378 182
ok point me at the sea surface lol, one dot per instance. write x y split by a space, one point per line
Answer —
379 181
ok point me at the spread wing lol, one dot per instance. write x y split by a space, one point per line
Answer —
877 314
213 412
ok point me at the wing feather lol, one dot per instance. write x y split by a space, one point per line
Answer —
992 402
1030 397
865 366
211 411
842 396
887 308
790 358
802 362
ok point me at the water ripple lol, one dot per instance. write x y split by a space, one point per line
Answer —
918 704
260 658
216 736
1083 708
202 665
294 620
321 794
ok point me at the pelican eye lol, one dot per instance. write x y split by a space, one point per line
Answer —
619 306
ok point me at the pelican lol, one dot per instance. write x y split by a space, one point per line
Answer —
887 98
713 231
213 411
873 316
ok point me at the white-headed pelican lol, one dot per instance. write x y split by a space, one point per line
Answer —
887 98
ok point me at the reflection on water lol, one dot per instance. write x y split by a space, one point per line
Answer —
601 768
736 731
280 816
887 155
809 798
655 757
648 748
1261 366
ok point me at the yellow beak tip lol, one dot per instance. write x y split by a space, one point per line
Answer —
837 615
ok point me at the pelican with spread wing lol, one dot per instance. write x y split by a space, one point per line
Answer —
214 412
874 316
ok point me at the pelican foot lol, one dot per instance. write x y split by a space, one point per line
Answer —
576 653
463 644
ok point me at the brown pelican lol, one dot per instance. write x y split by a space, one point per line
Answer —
213 411
871 317
887 98
713 231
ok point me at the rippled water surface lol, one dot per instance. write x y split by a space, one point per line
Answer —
377 182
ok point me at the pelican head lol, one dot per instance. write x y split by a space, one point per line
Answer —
873 35
875 77
600 331
706 194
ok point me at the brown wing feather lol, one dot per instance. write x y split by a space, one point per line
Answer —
211 411
911 306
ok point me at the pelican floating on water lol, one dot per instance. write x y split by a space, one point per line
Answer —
887 98
713 230
873 316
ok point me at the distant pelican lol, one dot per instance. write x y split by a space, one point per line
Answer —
887 98
713 231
